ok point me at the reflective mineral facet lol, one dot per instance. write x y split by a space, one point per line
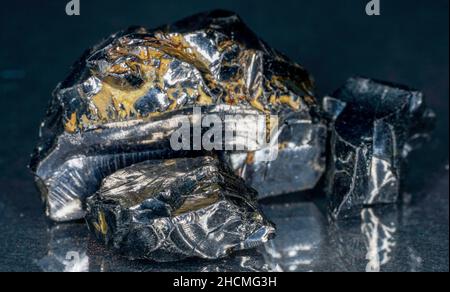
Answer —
175 209
300 161
114 108
374 127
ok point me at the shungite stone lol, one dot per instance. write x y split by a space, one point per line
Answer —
374 126
176 209
117 107
299 164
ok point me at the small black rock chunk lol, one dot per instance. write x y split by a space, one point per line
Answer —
375 125
176 209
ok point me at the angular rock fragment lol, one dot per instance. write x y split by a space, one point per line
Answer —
299 163
374 127
176 209
115 108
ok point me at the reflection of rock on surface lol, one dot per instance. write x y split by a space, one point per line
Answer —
380 240
250 261
299 240
70 249
368 243
107 261
67 249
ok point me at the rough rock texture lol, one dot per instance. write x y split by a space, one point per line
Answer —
111 112
375 125
175 209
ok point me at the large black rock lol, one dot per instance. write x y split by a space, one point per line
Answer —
175 209
374 126
118 107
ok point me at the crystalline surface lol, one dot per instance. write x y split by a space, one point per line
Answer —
375 126
300 161
116 107
175 209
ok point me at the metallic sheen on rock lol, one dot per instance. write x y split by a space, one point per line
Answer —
300 162
375 125
176 209
115 108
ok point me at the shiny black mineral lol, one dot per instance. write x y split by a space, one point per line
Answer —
374 126
119 106
175 209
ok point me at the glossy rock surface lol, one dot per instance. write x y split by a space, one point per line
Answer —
75 169
299 164
175 209
375 125
120 87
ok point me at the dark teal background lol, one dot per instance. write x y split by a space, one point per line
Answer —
408 44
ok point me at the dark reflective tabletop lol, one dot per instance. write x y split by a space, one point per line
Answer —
393 238
334 41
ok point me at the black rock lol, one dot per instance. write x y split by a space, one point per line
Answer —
117 107
375 125
176 209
